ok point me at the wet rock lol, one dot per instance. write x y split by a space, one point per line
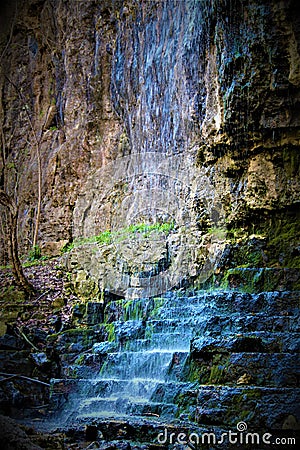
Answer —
131 329
79 310
94 313
103 347
56 322
75 347
9 342
40 359
202 347
91 433
84 336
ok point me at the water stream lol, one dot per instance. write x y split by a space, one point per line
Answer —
146 353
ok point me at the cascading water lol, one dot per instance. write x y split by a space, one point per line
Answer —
140 358
156 90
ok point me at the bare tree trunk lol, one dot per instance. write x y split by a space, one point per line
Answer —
12 236
39 202
38 139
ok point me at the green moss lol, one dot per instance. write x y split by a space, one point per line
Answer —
12 294
271 240
216 374
194 372
243 406
83 334
110 330
80 360
283 238
133 309
158 302
185 402
107 237
104 238
218 232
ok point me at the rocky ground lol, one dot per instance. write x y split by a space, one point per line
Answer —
27 361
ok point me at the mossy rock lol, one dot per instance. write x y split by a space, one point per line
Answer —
260 279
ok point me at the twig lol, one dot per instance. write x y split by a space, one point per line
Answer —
92 444
42 295
8 378
16 375
89 350
40 406
27 340
151 414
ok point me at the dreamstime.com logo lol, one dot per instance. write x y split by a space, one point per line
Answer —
239 437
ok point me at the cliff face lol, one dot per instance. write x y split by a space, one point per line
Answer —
170 112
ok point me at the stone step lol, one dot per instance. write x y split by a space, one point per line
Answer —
90 363
277 307
159 410
83 391
264 369
122 364
225 324
273 302
222 301
174 341
272 342
170 392
123 405
169 364
115 403
260 342
127 365
101 387
260 369
252 404
82 388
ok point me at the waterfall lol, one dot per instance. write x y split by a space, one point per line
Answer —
155 91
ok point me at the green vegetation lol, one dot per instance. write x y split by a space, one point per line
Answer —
110 329
34 253
12 294
216 374
218 232
107 237
270 241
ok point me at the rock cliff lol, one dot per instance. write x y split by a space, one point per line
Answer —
152 112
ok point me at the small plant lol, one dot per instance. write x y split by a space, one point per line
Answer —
34 253
104 238
68 247
218 232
